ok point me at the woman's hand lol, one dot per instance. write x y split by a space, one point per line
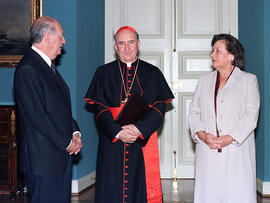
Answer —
223 141
208 139
214 142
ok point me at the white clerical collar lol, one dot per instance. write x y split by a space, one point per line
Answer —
44 56
129 64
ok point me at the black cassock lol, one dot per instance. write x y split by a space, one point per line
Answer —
120 172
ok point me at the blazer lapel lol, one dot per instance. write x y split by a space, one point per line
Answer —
213 83
233 78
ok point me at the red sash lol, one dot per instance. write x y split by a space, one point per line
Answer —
151 162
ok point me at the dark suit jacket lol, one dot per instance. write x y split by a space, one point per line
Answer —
45 119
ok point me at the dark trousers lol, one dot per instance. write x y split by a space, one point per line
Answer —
50 188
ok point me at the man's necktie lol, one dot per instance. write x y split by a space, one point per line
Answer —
53 68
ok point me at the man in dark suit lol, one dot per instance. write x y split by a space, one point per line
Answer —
48 133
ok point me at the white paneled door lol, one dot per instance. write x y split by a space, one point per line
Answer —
175 36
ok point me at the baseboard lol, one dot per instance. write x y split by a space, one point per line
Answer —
263 187
82 183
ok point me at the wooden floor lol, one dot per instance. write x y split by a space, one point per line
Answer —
183 194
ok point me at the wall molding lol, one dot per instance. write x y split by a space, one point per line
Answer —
263 187
79 185
7 103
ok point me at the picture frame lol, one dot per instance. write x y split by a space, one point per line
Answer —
18 17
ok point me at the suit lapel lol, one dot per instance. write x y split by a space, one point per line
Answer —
50 75
62 83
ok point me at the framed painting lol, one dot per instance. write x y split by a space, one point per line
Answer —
16 20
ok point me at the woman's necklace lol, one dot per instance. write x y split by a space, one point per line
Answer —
127 91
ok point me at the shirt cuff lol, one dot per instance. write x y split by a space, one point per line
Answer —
69 144
117 136
77 132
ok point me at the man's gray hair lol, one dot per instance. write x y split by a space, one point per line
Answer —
41 26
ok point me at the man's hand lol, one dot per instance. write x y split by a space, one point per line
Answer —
76 144
133 128
127 135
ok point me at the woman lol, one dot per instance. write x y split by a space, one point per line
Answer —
222 118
